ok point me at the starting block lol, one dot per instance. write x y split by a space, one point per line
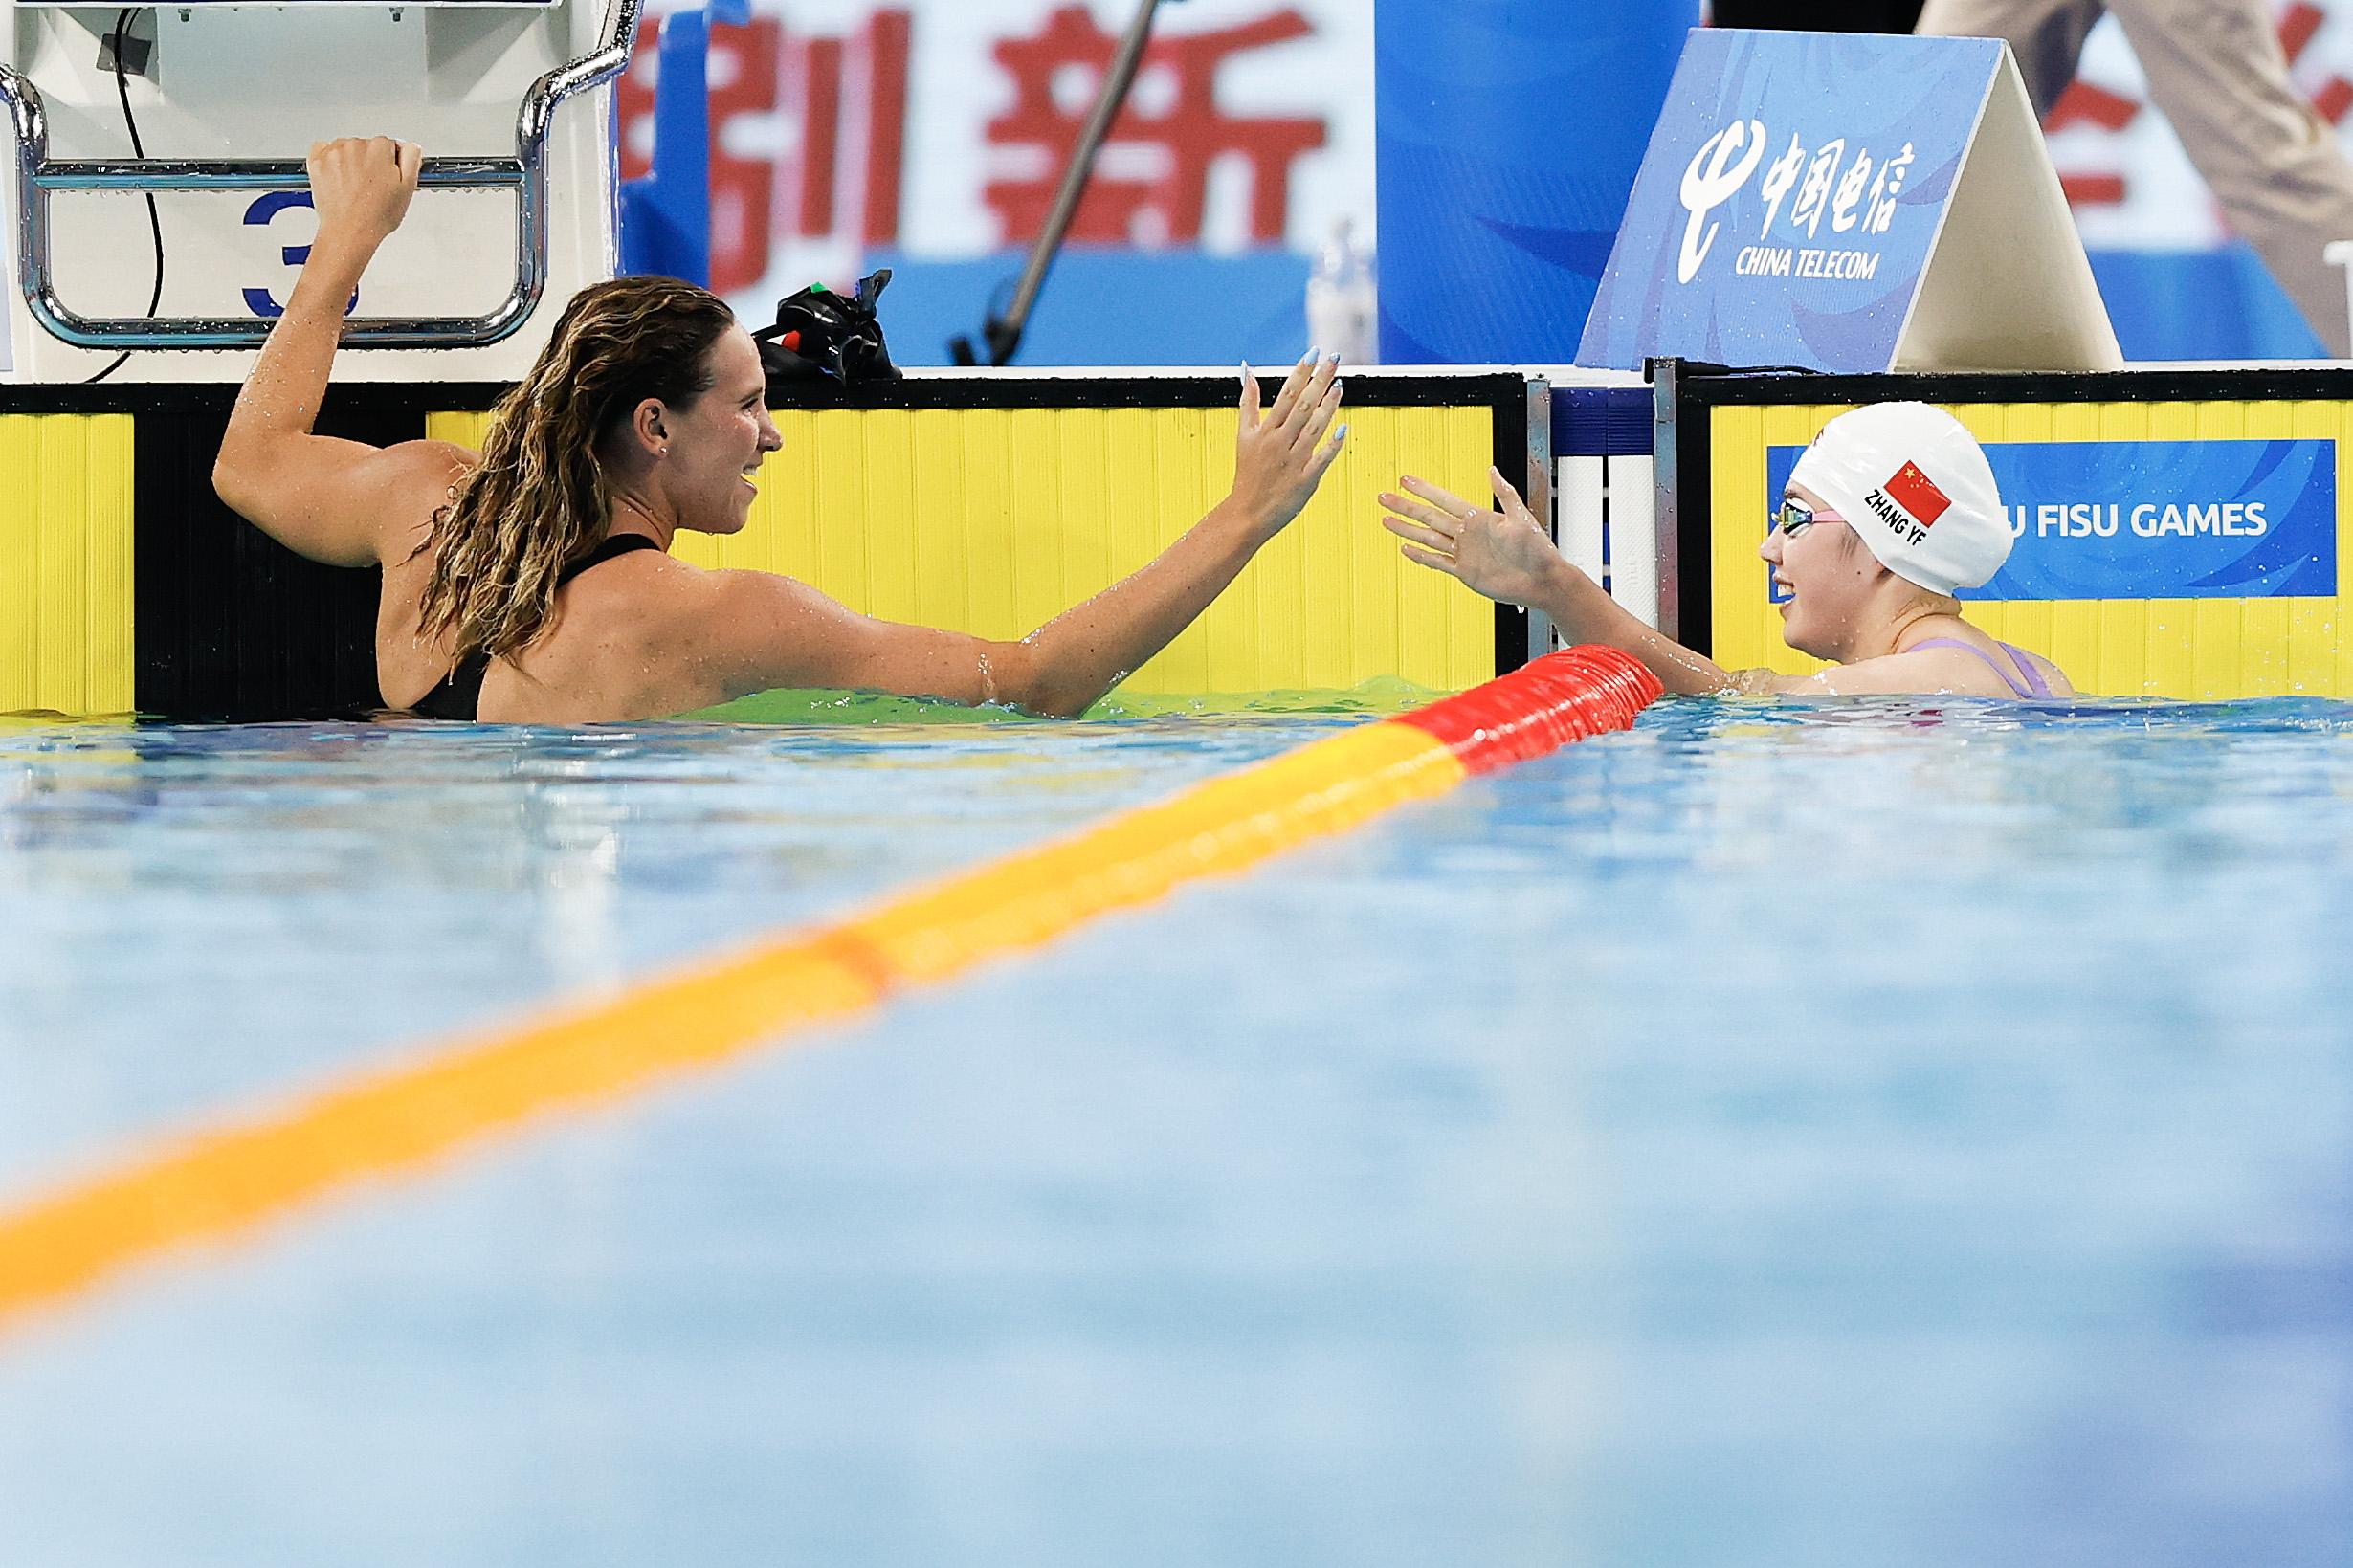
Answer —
206 109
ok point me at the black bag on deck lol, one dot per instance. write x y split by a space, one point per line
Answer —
820 335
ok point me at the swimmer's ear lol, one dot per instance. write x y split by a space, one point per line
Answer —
647 425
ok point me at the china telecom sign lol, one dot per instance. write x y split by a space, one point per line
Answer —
1714 178
1790 199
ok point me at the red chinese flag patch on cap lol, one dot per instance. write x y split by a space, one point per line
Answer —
1918 493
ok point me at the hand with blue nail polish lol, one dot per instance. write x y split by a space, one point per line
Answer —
1282 454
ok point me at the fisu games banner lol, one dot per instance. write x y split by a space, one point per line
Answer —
1781 215
2155 519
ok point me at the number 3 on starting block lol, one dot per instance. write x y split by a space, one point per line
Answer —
267 207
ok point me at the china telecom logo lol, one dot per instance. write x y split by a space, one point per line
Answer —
1857 194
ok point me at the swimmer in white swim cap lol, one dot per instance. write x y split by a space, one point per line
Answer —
1890 510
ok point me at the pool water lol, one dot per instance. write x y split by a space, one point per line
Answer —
1871 1132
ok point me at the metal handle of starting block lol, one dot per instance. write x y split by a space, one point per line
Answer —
39 176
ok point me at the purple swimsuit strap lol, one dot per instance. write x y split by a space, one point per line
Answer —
2032 684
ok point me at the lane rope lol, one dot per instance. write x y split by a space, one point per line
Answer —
219 1182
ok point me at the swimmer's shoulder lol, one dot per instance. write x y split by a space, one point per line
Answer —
1938 655
2053 675
418 478
675 607
433 467
750 631
1923 671
345 504
734 608
1969 673
446 457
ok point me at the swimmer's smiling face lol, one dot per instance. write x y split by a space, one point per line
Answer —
1829 576
718 441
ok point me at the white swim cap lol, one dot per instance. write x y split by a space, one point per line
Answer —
1916 485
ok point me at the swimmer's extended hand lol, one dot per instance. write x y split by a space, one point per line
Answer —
1280 455
1505 555
361 186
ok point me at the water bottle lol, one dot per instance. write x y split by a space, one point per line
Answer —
1342 298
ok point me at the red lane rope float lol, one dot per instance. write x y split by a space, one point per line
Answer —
222 1180
1539 708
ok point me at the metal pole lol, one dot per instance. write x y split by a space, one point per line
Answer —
1002 335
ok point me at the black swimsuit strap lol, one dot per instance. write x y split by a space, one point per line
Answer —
459 695
615 544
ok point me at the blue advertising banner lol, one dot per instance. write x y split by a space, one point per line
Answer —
1496 224
2155 519
1782 216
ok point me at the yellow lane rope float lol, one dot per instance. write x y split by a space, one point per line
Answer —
217 1181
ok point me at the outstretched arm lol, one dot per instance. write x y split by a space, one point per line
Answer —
320 496
1280 456
786 633
1508 557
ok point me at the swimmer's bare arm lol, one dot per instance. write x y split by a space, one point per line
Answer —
1507 556
342 502
774 632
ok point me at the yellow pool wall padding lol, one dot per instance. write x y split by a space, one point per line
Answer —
2202 648
65 564
993 521
217 1183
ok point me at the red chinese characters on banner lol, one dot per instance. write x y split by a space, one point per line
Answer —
2084 104
837 105
2087 106
809 134
2333 98
1151 185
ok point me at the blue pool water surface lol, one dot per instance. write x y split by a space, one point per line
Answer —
1869 1133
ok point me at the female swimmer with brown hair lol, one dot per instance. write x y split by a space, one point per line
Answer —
532 582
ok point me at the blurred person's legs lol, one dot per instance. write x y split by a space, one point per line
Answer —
2215 70
2046 35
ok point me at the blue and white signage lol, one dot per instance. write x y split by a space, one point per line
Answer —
2155 520
1793 193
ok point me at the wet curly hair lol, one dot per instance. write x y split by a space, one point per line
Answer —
538 499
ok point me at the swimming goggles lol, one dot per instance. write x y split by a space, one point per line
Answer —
1795 517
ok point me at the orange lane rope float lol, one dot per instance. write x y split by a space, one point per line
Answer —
220 1181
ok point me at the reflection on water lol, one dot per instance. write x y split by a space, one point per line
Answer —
1868 1133
292 896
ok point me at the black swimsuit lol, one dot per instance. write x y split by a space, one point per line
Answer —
459 695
